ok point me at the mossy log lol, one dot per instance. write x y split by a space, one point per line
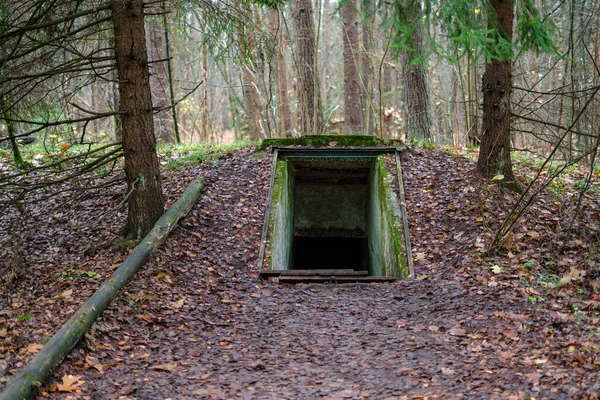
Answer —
23 385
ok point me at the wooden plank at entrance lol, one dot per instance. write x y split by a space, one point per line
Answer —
335 279
268 273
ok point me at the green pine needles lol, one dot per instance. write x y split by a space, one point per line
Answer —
533 32
468 28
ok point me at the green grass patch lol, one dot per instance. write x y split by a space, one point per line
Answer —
24 317
177 156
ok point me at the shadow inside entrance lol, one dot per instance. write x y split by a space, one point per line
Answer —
330 253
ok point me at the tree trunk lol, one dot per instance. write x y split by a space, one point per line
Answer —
385 111
114 99
367 66
473 136
309 93
204 114
249 78
386 117
159 83
284 115
7 114
252 103
494 153
142 173
416 96
328 45
352 104
12 133
170 78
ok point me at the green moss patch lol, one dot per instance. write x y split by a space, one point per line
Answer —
331 141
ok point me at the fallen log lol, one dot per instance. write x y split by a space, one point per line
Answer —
31 376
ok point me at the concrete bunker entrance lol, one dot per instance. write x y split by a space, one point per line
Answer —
334 210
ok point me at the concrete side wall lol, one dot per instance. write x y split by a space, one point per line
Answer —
323 208
385 240
282 217
374 224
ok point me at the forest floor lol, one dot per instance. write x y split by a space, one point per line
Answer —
197 322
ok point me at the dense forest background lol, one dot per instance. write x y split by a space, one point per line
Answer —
519 76
230 70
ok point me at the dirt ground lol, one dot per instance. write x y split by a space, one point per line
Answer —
198 323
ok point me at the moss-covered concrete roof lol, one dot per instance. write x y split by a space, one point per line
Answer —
331 141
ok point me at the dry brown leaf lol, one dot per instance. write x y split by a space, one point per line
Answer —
142 298
508 240
419 257
534 377
456 331
557 227
70 383
178 304
573 274
91 360
99 368
511 333
144 317
34 348
165 367
160 275
65 295
93 363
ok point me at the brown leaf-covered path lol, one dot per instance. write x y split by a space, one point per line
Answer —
198 323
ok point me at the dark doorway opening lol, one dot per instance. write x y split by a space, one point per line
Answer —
330 253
